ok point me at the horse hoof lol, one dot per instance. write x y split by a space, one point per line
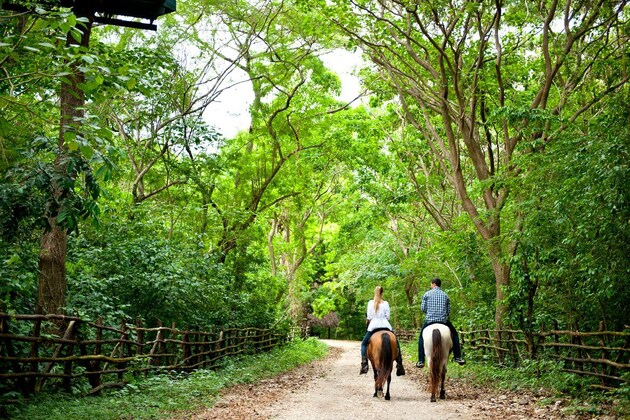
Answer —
387 397
433 399
379 394
442 396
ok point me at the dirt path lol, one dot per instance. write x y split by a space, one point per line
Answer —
332 389
343 394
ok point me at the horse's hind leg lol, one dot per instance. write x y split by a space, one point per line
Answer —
378 392
443 379
389 381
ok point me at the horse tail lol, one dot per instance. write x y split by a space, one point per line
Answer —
437 356
387 361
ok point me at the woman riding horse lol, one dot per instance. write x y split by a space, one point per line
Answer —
378 318
382 350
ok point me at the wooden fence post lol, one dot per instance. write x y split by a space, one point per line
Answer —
541 338
94 366
486 340
121 347
576 339
220 344
155 349
11 353
70 334
473 341
172 360
34 353
556 338
529 342
139 336
604 355
185 349
513 348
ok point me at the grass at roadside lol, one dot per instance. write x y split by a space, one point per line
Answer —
159 395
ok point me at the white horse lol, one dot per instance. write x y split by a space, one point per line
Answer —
437 347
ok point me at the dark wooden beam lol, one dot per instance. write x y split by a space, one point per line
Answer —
128 23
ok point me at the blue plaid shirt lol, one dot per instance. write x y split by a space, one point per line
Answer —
437 305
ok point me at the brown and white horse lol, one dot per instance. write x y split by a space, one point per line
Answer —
382 350
437 347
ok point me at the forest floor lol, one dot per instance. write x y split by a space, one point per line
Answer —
331 388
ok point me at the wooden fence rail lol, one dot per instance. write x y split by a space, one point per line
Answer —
36 349
601 354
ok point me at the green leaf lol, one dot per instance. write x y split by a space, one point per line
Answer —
86 151
76 35
69 137
72 146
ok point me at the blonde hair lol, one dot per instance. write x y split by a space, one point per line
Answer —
378 297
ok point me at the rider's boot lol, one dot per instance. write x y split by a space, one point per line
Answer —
364 366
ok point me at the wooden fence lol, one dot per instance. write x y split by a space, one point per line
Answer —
38 349
601 354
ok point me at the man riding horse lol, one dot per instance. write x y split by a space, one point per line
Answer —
437 306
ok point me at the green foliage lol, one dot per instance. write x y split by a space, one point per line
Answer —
362 195
162 395
18 268
125 271
574 245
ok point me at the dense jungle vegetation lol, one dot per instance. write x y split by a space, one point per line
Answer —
489 146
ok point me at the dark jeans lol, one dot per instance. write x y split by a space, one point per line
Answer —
364 345
457 351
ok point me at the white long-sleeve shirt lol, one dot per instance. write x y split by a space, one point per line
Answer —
379 319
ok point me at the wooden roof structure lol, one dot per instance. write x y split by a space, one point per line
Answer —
106 11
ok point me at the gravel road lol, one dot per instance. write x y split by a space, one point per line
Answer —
332 388
341 393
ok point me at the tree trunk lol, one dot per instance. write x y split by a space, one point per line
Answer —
51 294
502 278
502 281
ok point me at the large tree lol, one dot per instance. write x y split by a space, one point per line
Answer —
484 82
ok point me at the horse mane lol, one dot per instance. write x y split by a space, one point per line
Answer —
386 360
436 361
